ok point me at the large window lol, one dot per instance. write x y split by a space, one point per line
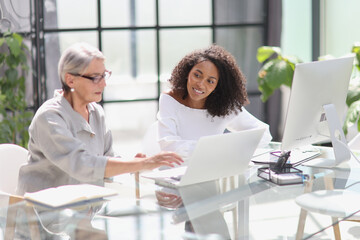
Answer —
142 41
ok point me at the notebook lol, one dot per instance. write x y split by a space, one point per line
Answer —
214 157
69 195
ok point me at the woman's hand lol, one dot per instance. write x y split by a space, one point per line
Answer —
161 159
168 200
116 166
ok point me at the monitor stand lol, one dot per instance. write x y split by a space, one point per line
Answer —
341 150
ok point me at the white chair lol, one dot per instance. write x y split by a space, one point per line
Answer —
12 157
336 203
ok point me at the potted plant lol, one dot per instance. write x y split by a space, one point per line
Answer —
278 70
14 116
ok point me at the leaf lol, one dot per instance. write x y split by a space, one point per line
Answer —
14 45
352 116
356 47
12 61
11 74
18 38
353 94
23 58
265 90
265 52
278 72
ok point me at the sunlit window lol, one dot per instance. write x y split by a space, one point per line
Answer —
143 40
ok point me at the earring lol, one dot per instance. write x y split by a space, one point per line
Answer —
72 90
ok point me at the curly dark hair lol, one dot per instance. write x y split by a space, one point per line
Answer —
230 93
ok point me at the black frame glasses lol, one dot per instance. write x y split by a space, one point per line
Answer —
96 79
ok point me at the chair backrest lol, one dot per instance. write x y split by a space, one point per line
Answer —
12 156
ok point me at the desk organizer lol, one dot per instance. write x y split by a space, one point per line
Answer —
285 176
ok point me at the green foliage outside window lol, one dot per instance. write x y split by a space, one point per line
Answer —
14 116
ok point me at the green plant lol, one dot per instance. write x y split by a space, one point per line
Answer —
277 70
14 116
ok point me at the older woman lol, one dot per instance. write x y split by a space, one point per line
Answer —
69 142
207 96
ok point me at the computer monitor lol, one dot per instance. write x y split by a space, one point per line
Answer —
317 105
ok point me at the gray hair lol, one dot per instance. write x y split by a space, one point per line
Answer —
76 59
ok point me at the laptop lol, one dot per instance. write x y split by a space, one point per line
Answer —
214 157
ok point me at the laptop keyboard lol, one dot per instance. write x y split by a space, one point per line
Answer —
177 178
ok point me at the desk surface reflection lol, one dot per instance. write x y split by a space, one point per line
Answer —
252 208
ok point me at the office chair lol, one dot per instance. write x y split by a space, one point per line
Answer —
12 157
336 203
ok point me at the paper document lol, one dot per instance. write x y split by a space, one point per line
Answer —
69 194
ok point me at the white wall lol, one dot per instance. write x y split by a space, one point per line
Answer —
296 29
340 22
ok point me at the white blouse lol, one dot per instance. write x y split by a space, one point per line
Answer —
179 127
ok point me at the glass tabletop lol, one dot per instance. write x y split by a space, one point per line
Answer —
239 207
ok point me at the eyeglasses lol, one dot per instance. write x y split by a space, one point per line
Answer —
96 79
